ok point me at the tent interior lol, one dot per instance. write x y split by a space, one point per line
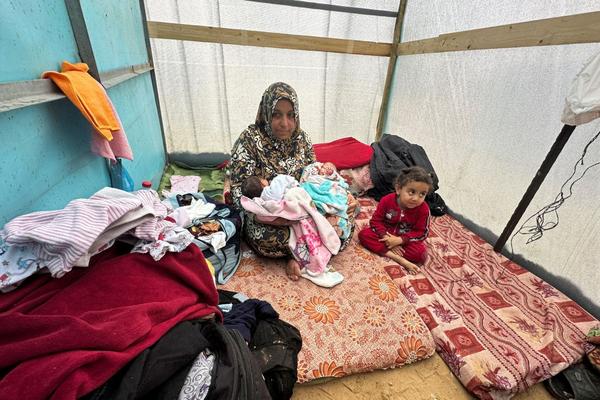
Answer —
481 88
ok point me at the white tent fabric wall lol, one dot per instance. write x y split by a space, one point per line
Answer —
487 120
210 92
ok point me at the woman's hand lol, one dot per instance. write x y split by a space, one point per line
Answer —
352 204
391 241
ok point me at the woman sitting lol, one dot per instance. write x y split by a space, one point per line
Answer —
274 145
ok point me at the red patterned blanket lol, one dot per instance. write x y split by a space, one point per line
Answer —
499 328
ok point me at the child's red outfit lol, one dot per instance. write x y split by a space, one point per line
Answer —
412 225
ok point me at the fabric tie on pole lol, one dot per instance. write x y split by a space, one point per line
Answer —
583 101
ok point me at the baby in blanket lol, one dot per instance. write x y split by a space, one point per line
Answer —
326 187
256 186
312 239
329 191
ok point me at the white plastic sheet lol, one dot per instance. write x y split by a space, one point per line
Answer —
487 120
583 101
210 92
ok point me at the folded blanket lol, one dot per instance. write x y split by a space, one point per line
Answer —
62 338
344 153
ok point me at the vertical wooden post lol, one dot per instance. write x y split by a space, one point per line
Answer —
390 70
82 38
535 184
142 4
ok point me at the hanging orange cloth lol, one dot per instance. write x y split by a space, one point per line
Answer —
87 95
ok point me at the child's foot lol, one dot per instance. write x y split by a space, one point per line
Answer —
412 269
292 269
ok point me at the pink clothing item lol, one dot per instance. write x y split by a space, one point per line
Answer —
64 238
307 247
312 238
118 146
184 184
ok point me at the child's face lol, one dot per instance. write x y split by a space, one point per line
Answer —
264 182
412 194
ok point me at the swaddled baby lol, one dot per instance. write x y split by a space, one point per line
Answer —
313 239
329 191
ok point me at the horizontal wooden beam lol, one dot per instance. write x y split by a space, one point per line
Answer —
21 94
570 29
166 30
114 77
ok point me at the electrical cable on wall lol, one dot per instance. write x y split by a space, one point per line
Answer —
582 105
547 217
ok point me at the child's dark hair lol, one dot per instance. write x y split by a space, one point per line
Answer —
413 174
252 187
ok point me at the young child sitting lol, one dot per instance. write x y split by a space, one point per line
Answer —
400 224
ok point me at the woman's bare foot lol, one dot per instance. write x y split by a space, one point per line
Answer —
292 269
409 266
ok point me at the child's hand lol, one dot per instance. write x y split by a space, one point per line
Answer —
391 241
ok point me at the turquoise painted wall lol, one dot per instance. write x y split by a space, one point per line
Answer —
45 160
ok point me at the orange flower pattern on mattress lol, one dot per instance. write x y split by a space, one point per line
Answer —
363 324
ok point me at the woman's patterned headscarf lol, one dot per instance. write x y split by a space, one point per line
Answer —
258 152
274 93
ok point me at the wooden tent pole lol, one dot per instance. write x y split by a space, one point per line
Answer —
82 37
390 69
535 184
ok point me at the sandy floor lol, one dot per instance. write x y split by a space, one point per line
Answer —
427 380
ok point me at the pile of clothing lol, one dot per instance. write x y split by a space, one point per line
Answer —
135 313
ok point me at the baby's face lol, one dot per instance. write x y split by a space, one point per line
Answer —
327 168
264 182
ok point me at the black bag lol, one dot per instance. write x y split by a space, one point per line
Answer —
275 346
160 371
437 205
235 375
392 154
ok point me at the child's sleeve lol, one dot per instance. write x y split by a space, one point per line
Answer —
377 220
421 227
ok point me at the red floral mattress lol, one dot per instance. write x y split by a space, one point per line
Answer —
499 328
361 325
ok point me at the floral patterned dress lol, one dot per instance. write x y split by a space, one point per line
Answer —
258 152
